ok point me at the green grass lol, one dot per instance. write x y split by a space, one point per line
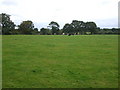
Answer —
0 61
83 61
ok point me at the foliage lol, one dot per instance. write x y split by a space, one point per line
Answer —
45 31
6 23
80 27
26 27
91 27
54 27
15 32
74 28
68 29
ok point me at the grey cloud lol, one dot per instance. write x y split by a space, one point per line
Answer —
108 23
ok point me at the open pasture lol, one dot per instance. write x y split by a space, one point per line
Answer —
60 61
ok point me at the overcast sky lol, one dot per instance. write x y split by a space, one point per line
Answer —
42 12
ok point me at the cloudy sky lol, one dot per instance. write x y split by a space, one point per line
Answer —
42 12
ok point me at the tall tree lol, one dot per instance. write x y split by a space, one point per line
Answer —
78 26
68 29
26 27
54 27
91 27
6 24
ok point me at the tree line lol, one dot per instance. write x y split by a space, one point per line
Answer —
74 28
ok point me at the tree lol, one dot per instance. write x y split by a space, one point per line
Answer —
91 27
45 31
26 27
78 26
6 24
54 27
98 30
34 31
15 32
68 29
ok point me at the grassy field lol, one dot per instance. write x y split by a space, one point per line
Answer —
83 61
0 62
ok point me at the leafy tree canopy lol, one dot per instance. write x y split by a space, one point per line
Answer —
6 24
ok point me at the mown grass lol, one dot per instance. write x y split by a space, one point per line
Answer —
83 61
0 61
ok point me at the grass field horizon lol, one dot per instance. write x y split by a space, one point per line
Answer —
60 61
